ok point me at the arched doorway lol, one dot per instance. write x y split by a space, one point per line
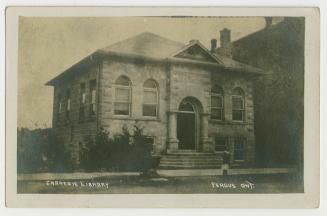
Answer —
188 124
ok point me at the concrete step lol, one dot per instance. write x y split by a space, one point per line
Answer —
192 156
190 160
190 153
189 167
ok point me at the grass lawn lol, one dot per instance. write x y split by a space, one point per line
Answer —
268 183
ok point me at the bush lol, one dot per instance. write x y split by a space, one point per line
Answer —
30 150
123 152
58 156
95 152
40 150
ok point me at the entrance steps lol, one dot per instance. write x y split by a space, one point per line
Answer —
190 160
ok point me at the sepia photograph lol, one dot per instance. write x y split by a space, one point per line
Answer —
176 104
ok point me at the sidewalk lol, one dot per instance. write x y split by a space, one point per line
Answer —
163 173
70 176
214 172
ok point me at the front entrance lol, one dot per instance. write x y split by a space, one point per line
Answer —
187 130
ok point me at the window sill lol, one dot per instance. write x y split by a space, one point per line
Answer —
238 121
216 120
219 152
150 118
118 117
224 122
121 117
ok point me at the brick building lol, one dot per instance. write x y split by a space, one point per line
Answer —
278 48
190 101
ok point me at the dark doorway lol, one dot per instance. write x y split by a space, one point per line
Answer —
186 126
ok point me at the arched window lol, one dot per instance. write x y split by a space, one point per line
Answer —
217 103
150 98
238 104
122 102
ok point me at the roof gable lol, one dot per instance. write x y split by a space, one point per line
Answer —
196 51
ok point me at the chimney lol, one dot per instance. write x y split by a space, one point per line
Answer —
225 42
213 45
268 21
224 37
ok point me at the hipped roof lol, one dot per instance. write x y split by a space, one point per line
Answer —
152 46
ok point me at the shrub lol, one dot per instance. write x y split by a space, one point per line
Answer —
58 156
30 150
103 152
40 150
123 152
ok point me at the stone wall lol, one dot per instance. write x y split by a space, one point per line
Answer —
175 82
69 128
138 73
189 81
227 127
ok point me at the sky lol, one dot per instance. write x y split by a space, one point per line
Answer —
48 46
